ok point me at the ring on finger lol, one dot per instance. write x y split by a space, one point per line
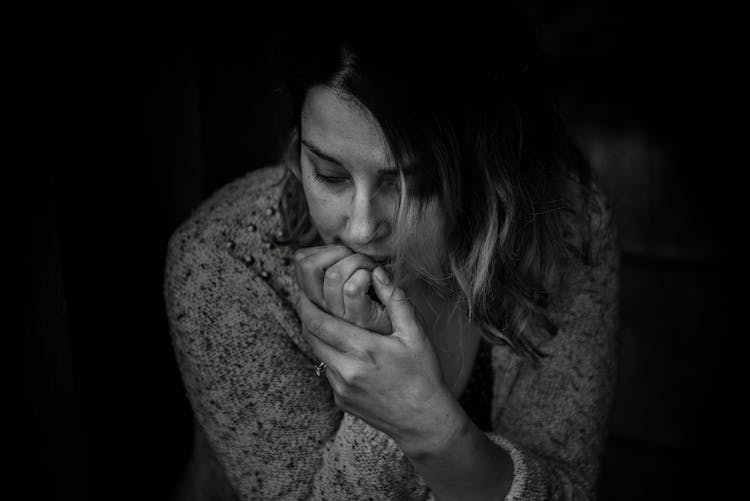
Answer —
320 369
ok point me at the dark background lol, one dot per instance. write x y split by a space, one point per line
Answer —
130 120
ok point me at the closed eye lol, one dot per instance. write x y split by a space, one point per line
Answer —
321 178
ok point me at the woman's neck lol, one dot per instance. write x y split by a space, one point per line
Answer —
454 338
445 322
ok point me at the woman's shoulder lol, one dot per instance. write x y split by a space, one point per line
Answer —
238 222
588 292
249 201
588 227
251 193
227 249
227 282
600 247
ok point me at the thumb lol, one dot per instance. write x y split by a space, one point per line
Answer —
399 308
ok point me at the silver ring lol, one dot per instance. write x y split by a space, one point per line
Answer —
320 369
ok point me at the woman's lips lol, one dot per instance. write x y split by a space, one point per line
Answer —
379 259
376 258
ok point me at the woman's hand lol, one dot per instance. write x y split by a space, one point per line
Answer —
393 382
337 280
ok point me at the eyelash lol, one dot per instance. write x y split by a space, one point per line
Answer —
328 179
335 180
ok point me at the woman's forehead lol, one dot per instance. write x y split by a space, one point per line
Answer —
343 129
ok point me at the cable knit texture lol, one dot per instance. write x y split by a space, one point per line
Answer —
268 428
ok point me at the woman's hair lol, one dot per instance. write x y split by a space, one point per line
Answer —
461 100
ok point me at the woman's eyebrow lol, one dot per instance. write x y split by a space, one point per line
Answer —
318 152
325 156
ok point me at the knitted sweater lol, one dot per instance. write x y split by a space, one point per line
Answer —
268 428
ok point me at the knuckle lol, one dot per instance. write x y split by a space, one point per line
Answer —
398 295
349 376
332 276
316 325
307 266
351 289
363 361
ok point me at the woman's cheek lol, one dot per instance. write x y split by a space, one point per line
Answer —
324 215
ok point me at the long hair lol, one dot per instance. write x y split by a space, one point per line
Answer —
462 104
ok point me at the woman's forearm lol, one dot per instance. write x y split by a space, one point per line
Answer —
466 465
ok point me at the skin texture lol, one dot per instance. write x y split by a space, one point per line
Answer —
381 363
357 205
352 195
393 382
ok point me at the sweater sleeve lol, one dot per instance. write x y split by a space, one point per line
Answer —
272 424
551 418
263 412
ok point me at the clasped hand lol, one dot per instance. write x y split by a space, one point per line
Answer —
381 366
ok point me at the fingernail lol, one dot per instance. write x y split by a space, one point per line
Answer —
382 276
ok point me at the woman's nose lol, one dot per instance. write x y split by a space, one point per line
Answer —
365 221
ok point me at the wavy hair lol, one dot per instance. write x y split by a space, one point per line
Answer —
467 113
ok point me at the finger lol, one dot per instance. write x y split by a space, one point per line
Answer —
397 304
360 309
325 353
311 266
335 278
306 251
335 332
303 253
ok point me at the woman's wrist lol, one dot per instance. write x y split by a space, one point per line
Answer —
442 423
457 460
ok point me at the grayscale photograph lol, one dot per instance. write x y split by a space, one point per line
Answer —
375 251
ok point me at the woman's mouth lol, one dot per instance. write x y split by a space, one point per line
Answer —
380 260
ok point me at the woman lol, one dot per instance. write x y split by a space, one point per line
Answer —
421 301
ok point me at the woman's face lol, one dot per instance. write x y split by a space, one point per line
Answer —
351 189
